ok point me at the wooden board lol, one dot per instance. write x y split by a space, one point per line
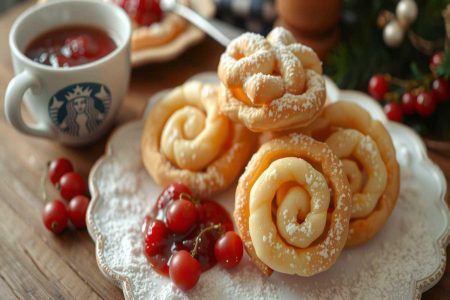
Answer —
35 264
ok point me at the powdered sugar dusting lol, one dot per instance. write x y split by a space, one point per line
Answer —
382 269
270 83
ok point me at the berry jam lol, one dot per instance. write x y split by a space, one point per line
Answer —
160 243
70 46
142 12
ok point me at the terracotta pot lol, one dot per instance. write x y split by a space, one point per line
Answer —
310 16
322 44
313 22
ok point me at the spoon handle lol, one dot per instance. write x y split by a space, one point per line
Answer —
201 23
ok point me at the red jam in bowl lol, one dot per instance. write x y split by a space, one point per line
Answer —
70 46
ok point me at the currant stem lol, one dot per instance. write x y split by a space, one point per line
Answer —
188 197
404 83
199 236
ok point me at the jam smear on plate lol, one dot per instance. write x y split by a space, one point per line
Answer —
160 243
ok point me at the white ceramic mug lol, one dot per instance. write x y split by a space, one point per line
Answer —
74 105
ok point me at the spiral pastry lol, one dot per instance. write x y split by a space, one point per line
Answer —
271 84
368 156
293 205
186 140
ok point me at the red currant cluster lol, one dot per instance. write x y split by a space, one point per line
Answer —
184 236
72 188
418 97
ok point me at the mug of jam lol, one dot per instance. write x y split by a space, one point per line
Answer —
72 65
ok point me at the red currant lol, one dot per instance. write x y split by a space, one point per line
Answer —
378 86
77 211
436 60
172 192
156 237
181 216
57 168
229 249
409 103
55 216
441 89
210 212
184 270
394 111
71 185
426 104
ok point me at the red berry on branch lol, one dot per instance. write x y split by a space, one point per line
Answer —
426 104
55 216
77 211
71 185
409 103
184 270
229 249
57 168
378 86
436 60
394 111
441 89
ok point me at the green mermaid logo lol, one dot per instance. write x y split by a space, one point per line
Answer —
79 109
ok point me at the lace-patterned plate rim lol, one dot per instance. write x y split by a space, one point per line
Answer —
415 146
119 280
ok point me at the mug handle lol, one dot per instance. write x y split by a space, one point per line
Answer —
13 101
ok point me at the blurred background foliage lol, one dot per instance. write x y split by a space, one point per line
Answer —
362 51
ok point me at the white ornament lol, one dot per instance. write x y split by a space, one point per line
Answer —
393 34
406 12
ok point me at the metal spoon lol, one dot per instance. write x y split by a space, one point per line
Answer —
203 24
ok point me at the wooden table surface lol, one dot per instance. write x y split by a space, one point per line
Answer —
33 262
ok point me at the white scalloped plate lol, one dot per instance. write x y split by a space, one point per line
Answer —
405 259
189 37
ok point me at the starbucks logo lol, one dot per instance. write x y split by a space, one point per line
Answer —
78 109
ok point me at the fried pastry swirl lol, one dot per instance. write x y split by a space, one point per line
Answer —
293 205
271 83
187 140
368 156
